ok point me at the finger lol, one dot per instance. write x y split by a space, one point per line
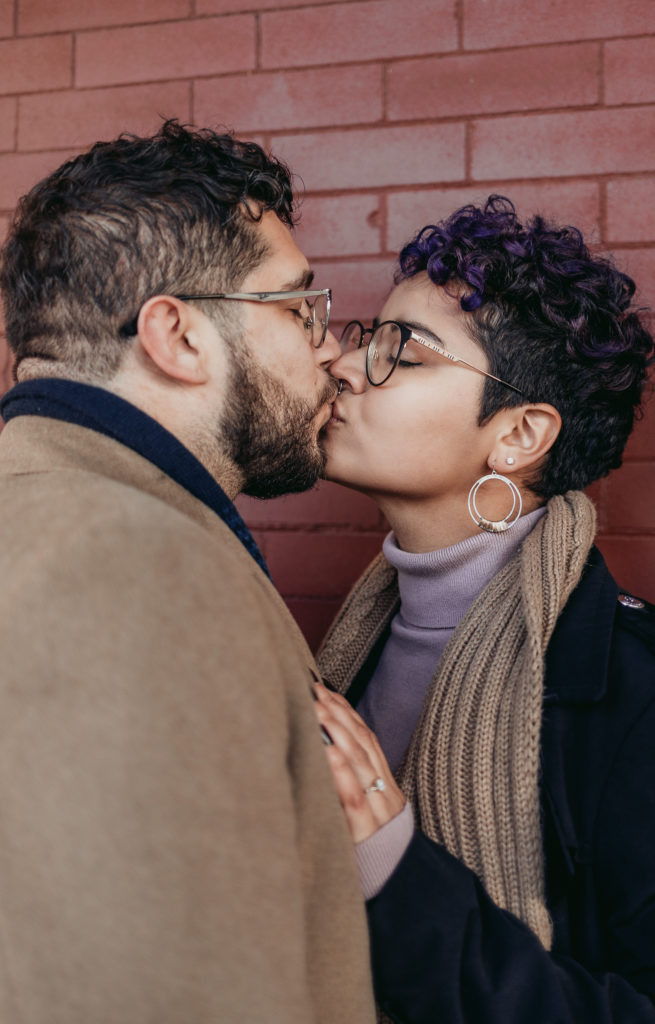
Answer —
343 710
348 742
361 816
332 715
373 774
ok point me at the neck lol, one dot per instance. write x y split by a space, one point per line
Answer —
429 524
189 420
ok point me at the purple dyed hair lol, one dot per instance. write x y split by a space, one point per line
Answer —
552 318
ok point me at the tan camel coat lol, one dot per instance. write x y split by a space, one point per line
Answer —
171 848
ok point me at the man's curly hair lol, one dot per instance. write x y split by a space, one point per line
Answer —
173 213
553 319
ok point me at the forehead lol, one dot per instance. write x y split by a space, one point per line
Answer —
284 266
419 303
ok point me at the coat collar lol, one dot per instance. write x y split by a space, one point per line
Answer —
106 413
577 660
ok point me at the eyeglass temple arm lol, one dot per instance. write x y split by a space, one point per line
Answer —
458 359
261 296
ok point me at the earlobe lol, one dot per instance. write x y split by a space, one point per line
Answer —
168 331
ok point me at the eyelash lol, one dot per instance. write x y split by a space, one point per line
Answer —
303 319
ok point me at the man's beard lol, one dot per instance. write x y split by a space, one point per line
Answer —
268 433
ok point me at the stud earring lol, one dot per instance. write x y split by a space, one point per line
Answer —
510 460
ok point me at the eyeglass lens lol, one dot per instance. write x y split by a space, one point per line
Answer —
320 314
383 349
383 352
351 337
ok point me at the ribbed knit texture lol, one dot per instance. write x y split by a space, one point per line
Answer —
472 769
436 589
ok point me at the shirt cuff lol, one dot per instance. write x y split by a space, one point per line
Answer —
380 854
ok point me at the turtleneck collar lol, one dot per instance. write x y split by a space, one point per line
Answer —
437 587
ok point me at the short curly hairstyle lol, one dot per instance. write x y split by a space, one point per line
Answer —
553 319
134 217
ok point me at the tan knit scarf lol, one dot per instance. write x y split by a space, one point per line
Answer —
472 768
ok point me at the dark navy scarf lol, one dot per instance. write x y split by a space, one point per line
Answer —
107 414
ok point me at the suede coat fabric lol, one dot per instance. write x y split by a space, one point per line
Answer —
442 950
171 846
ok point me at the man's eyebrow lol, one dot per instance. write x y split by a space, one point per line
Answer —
302 282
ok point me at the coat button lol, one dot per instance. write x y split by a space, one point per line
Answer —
630 602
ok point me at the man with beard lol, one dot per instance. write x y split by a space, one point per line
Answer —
171 849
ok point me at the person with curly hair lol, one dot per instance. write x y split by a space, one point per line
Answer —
489 690
163 856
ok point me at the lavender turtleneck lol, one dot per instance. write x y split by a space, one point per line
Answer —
436 590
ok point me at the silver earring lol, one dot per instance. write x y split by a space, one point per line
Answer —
491 525
340 388
510 460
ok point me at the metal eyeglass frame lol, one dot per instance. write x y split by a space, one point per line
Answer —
407 334
309 322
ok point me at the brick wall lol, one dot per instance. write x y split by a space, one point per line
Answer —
392 112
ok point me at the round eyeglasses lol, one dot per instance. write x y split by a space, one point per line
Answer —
385 348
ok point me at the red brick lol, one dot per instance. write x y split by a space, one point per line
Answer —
30 64
369 158
359 287
226 6
357 32
641 444
544 145
492 23
20 171
595 492
319 564
6 17
631 498
314 618
630 70
174 49
325 505
295 99
632 562
59 15
640 265
569 203
523 79
341 226
82 116
7 125
631 210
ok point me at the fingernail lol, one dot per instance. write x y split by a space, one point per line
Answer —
327 739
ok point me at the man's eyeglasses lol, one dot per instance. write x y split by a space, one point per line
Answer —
386 345
315 315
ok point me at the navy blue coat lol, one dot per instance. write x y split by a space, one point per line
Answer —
444 953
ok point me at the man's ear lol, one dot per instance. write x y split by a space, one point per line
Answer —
171 334
528 433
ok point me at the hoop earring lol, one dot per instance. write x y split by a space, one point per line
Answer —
498 525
